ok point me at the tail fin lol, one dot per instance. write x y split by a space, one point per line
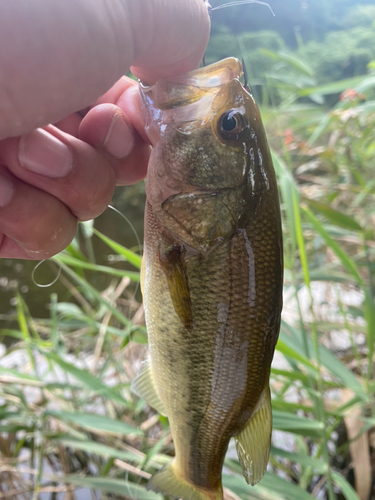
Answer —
167 482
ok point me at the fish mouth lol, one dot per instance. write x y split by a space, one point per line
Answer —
185 98
190 87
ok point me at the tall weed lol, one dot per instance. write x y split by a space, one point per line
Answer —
67 417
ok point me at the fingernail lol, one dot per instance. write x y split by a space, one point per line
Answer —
120 138
44 154
6 190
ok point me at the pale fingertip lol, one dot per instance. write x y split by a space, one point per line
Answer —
120 140
42 153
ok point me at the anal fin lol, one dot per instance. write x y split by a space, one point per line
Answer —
254 440
144 386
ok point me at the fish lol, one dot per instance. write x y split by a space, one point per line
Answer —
211 276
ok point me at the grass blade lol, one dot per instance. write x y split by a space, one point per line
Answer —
298 458
128 255
82 264
285 421
346 489
334 216
97 423
109 485
346 261
87 379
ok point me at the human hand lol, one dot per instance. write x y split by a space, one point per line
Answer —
57 58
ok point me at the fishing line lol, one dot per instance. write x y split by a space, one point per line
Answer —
239 2
136 237
130 224
40 285
246 83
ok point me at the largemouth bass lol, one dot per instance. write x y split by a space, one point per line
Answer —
212 276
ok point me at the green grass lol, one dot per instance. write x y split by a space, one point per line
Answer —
71 408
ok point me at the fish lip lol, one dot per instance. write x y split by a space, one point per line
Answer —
223 71
181 90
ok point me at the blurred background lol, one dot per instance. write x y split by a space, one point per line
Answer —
70 427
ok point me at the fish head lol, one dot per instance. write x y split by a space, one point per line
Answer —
210 158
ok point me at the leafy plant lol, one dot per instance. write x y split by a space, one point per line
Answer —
67 416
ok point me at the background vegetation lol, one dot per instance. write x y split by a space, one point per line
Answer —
69 425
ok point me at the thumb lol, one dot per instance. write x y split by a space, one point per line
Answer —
59 57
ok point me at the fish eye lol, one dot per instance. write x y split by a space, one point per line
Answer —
230 125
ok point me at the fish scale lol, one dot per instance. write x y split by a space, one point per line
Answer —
212 278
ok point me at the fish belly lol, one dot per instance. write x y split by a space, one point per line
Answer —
211 372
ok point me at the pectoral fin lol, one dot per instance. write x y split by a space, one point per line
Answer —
173 266
254 440
144 386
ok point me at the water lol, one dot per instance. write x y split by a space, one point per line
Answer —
16 275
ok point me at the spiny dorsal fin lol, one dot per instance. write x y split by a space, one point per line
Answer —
254 440
143 385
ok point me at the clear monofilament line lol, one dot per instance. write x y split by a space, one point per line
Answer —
239 2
